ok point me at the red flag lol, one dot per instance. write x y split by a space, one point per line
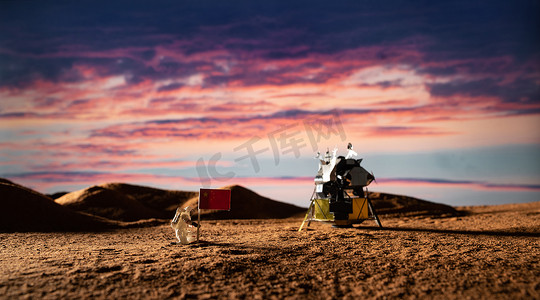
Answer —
215 199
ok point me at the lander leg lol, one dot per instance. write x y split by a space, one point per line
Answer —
372 210
310 208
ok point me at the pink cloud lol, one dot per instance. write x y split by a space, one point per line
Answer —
97 95
389 131
234 127
128 163
51 181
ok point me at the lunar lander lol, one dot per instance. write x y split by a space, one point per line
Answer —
339 196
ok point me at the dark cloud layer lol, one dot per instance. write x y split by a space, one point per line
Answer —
43 39
520 91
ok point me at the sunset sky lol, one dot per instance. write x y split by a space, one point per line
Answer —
441 99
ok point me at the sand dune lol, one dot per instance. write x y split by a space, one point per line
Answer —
56 195
108 203
3 180
125 202
157 199
246 204
398 205
26 210
122 202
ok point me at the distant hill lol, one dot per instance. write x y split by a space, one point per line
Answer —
108 203
120 203
246 204
390 204
126 202
56 195
157 199
3 180
23 209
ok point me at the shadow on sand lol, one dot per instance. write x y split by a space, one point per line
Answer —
449 231
230 248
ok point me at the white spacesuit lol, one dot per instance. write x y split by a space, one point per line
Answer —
185 229
350 153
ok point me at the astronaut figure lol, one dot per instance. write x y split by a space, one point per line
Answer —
184 228
350 153
326 164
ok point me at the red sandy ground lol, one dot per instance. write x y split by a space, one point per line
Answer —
493 252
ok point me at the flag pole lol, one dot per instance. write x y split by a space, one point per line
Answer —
198 216
212 200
